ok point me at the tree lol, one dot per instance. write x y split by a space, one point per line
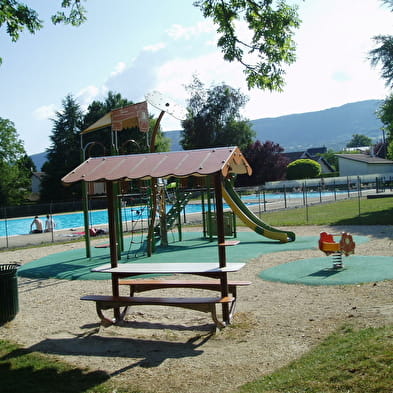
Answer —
303 169
64 153
17 17
331 158
267 163
271 24
213 118
359 140
383 55
15 174
385 114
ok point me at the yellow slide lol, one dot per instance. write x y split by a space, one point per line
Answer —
250 219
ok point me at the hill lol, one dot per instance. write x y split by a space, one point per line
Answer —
39 160
331 127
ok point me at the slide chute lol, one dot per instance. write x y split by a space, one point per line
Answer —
250 219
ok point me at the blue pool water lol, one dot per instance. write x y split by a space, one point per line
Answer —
294 195
21 226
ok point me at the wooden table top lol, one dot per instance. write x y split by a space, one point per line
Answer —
154 268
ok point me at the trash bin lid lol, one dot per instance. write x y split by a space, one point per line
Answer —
9 267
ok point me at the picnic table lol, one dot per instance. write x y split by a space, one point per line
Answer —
218 282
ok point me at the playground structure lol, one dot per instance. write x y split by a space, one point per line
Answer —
215 164
136 115
346 246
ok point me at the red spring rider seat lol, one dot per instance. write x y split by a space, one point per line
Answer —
329 246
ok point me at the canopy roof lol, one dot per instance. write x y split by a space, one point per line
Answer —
104 121
153 165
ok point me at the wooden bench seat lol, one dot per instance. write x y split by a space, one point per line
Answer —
204 304
143 285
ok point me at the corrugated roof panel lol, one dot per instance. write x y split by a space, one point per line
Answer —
180 164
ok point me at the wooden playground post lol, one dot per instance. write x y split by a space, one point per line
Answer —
110 187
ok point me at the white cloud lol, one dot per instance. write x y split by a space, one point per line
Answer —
90 93
119 68
154 47
174 75
178 31
45 112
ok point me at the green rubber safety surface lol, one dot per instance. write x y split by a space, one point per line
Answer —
356 269
73 264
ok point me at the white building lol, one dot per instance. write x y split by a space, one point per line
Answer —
363 164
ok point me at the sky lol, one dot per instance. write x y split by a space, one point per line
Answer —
135 47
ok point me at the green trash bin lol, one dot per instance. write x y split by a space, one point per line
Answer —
9 303
212 224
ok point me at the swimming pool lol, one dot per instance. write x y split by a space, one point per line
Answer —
21 226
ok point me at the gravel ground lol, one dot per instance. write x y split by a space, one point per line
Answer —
159 349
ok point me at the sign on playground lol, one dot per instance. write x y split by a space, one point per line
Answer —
135 115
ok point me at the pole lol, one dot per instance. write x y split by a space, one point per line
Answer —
179 225
85 204
119 225
85 201
221 242
305 201
359 194
113 240
209 210
153 211
50 215
220 219
203 214
6 226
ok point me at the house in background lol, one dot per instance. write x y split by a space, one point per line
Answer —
363 164
311 154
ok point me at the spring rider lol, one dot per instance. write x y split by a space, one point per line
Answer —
329 246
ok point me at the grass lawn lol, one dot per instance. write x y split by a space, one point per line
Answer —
347 212
25 371
347 361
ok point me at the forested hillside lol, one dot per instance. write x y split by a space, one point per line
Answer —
331 127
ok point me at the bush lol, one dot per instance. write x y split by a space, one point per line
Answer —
303 169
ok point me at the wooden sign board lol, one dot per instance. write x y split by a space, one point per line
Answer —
135 115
